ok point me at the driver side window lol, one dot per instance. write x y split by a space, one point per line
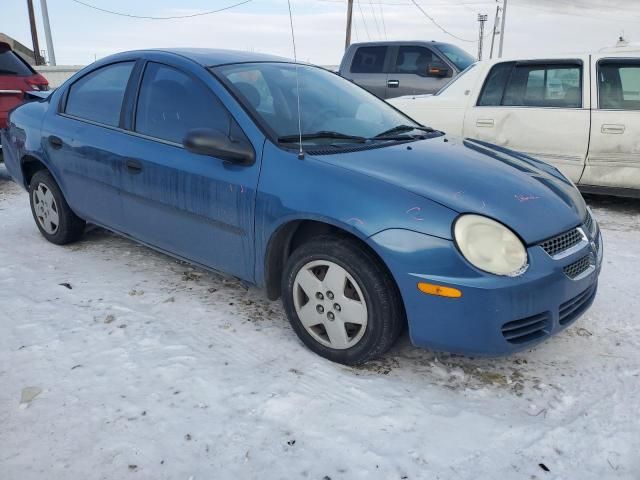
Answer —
416 60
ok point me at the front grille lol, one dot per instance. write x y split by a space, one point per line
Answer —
562 242
573 308
578 267
526 329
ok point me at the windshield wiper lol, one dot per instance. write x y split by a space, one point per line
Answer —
401 129
319 135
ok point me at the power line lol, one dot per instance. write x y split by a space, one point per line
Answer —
375 18
444 30
384 26
199 14
364 22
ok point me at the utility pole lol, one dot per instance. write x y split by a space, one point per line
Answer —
481 19
34 33
495 29
502 27
347 40
47 32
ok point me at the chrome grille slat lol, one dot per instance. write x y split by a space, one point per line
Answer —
575 269
563 242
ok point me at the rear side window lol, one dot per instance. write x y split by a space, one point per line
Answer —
171 103
12 64
98 95
369 60
494 85
417 60
619 85
526 85
556 86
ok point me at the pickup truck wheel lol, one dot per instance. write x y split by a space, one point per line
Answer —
340 301
55 220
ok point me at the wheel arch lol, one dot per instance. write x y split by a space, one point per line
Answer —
293 233
29 165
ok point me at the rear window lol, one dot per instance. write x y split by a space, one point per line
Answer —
369 60
12 64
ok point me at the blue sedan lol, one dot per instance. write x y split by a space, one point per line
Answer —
298 181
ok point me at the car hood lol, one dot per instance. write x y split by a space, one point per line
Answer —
529 196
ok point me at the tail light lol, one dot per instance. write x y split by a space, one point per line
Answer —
38 82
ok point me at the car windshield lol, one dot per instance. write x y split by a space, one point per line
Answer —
332 108
459 57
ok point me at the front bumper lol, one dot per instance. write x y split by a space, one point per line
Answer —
495 315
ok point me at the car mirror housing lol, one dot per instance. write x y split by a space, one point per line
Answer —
214 143
433 71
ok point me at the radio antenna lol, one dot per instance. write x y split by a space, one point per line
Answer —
295 60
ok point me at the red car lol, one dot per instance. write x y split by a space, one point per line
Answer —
16 78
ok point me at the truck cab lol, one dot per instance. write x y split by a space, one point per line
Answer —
393 69
580 113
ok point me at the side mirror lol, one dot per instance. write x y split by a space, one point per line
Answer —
214 143
437 71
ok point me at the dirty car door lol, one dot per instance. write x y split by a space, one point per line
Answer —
86 145
614 151
195 206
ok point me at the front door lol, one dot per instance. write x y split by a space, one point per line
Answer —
614 153
195 206
541 109
417 70
368 69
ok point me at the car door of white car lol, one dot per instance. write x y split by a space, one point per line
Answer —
614 152
539 107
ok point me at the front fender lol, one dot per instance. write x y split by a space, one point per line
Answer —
311 189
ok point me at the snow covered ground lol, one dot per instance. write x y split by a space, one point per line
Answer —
119 362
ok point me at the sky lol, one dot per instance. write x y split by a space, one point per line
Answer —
82 34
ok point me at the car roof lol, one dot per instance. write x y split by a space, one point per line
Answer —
210 57
399 42
557 57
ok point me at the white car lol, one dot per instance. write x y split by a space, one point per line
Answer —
580 113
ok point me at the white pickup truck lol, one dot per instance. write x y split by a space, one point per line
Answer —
580 113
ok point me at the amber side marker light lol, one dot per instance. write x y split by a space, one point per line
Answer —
439 290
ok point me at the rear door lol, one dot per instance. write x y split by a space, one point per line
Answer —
416 70
539 108
614 152
369 69
87 146
195 206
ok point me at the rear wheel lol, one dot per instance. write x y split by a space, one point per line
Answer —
340 301
50 210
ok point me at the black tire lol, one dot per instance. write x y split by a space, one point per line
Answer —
70 227
385 311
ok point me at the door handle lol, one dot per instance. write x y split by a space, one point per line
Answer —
55 142
485 122
614 129
393 83
134 166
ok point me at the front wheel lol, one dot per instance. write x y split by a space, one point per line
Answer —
54 218
341 301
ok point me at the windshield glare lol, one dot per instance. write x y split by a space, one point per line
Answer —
327 102
459 57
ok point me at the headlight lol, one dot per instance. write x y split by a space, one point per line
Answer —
490 246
